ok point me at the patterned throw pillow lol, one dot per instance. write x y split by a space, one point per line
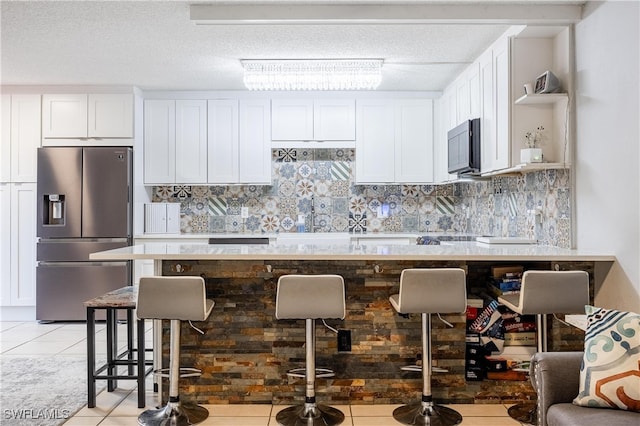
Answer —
610 371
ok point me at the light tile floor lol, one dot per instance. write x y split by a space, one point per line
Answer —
120 407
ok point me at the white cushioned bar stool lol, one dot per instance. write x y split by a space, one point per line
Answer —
176 299
542 293
310 297
429 291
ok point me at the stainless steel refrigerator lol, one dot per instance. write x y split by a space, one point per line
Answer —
84 206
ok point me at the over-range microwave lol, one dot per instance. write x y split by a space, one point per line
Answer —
463 148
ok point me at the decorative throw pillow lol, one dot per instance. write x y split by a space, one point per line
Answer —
610 371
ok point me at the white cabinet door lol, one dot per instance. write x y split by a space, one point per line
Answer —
191 141
375 135
222 137
64 116
5 140
159 141
162 218
413 141
292 119
23 245
110 116
501 79
255 141
334 119
25 137
462 99
313 120
473 79
440 140
488 147
5 243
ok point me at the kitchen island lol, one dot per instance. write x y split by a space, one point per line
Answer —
245 352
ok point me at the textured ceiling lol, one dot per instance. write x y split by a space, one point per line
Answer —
154 45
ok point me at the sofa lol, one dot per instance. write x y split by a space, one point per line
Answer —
556 378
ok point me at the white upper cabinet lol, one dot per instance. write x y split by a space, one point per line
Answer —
375 141
492 89
191 141
82 116
20 138
175 141
313 120
5 140
110 116
217 141
239 142
394 141
494 65
292 119
255 142
64 116
502 104
159 141
414 141
223 141
334 119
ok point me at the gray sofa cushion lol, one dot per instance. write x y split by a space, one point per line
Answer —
566 414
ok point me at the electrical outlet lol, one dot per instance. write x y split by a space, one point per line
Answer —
344 340
244 212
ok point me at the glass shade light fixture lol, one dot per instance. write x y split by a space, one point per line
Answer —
312 74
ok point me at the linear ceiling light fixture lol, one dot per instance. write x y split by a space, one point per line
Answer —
312 74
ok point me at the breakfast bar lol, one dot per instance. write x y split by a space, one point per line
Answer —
245 352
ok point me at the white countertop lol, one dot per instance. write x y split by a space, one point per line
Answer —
453 251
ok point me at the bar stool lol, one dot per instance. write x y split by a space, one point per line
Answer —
541 293
176 299
427 291
310 297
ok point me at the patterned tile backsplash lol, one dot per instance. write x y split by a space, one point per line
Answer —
321 181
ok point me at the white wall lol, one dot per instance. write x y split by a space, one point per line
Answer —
607 154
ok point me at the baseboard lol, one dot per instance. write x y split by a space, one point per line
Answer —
17 313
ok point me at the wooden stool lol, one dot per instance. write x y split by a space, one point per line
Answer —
121 299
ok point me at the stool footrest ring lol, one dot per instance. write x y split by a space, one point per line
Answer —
184 372
320 372
418 369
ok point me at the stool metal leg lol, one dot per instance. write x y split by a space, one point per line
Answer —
174 413
311 413
112 349
140 367
426 412
91 357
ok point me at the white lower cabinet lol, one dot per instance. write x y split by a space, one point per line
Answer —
18 244
394 141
